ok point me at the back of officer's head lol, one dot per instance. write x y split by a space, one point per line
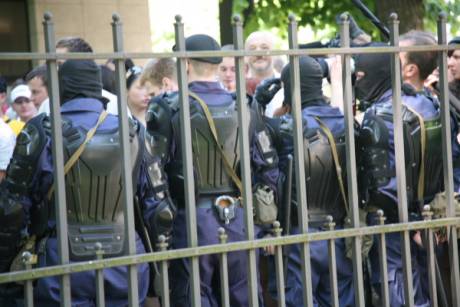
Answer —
427 61
80 79
205 66
373 71
311 80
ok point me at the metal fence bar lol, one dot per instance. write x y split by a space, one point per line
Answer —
127 195
332 264
385 293
243 136
400 162
352 184
447 161
60 205
100 297
228 53
223 270
162 246
279 267
229 247
431 263
28 260
187 162
299 162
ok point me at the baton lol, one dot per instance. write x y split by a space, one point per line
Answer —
366 12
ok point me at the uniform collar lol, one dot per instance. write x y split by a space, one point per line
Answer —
206 87
385 96
322 111
82 105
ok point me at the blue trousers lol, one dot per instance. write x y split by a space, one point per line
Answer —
395 272
83 284
319 260
395 269
179 273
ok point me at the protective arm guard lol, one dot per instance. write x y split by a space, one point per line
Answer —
29 146
158 143
18 185
374 171
159 130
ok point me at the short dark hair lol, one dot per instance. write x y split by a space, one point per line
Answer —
3 85
156 70
38 72
425 61
128 63
74 44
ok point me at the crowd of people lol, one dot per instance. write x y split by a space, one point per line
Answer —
93 169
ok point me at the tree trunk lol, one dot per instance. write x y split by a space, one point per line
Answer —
410 13
225 21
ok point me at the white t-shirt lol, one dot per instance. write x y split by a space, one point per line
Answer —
7 143
275 103
112 105
44 107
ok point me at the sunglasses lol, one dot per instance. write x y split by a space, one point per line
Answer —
22 100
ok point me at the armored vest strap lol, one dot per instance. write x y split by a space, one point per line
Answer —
335 156
212 126
80 149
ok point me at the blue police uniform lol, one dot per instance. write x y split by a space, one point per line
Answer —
428 109
334 120
83 112
95 209
219 101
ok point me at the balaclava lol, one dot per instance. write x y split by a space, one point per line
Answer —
377 78
80 79
311 81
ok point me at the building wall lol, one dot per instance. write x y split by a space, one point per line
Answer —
198 16
90 19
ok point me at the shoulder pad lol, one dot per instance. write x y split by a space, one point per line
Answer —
373 131
71 134
170 99
29 145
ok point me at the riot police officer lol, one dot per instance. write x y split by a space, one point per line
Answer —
216 186
377 175
93 190
322 125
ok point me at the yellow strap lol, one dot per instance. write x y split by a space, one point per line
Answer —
212 126
421 177
76 155
335 155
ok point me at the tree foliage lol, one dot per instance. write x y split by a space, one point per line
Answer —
321 14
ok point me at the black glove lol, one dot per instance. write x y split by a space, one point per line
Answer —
266 90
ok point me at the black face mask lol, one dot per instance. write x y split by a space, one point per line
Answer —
80 79
377 76
311 81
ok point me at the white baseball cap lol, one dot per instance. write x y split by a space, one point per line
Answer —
20 91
